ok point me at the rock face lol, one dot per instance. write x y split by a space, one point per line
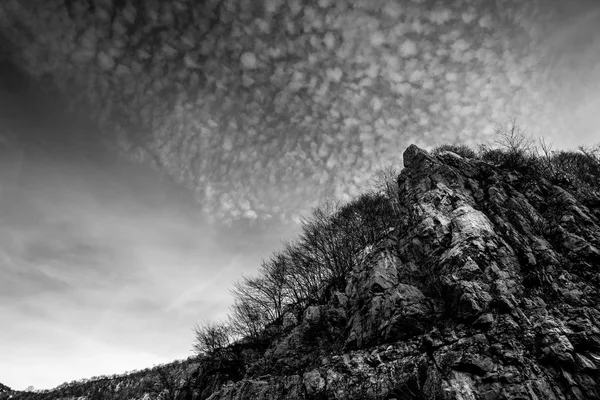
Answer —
4 389
487 289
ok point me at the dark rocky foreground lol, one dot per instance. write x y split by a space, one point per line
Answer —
486 289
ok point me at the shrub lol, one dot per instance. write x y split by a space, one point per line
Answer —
460 149
582 166
580 172
513 149
518 160
492 156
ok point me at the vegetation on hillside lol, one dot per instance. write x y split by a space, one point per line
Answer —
513 150
176 380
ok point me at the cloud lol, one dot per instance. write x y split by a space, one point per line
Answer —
100 274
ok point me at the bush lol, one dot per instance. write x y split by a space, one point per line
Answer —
513 149
580 172
492 156
460 149
518 160
582 166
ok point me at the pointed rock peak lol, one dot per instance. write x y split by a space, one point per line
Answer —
415 156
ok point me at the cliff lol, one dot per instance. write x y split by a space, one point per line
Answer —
485 287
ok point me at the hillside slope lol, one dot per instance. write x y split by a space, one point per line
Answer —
173 379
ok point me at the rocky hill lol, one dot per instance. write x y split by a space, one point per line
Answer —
485 285
487 288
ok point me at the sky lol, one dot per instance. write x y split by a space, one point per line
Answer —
106 266
262 107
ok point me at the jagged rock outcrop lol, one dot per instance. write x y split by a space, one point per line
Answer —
5 391
487 289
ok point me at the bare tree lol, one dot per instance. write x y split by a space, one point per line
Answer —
544 155
327 250
365 220
385 181
592 152
275 273
247 320
264 295
211 337
305 276
514 139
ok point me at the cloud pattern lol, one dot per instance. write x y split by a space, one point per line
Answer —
263 108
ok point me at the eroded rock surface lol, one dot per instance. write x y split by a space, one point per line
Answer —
487 289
